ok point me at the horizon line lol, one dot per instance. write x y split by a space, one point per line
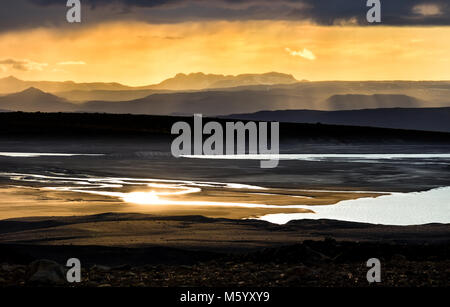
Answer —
296 80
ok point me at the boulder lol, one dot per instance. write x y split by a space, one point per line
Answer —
46 272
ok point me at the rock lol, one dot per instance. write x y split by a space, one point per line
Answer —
91 284
299 270
398 258
123 267
46 272
314 256
102 268
11 267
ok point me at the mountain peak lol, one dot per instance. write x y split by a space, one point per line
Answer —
32 94
33 90
200 80
11 78
33 100
279 74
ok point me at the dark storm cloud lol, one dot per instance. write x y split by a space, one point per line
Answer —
393 12
22 14
126 3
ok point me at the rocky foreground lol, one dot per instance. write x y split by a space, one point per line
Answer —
135 250
311 263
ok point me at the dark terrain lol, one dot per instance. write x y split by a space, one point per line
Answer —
87 125
326 253
431 119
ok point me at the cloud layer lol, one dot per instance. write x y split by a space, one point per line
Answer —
21 14
22 65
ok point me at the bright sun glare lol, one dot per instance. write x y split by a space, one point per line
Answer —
142 198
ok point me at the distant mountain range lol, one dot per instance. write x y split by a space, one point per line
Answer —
207 102
213 103
219 95
431 119
198 81
193 81
12 85
253 92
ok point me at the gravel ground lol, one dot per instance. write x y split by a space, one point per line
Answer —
324 264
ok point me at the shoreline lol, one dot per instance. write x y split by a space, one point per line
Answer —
199 232
388 209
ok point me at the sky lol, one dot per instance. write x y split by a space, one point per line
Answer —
137 42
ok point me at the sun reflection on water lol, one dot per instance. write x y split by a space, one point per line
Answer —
142 198
167 192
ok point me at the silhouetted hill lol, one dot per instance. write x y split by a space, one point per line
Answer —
433 119
147 126
355 102
33 100
222 102
105 95
205 102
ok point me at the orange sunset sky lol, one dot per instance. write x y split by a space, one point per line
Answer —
137 52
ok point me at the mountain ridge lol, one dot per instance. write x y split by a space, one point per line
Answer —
35 100
427 119
354 101
222 102
181 81
199 80
218 102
